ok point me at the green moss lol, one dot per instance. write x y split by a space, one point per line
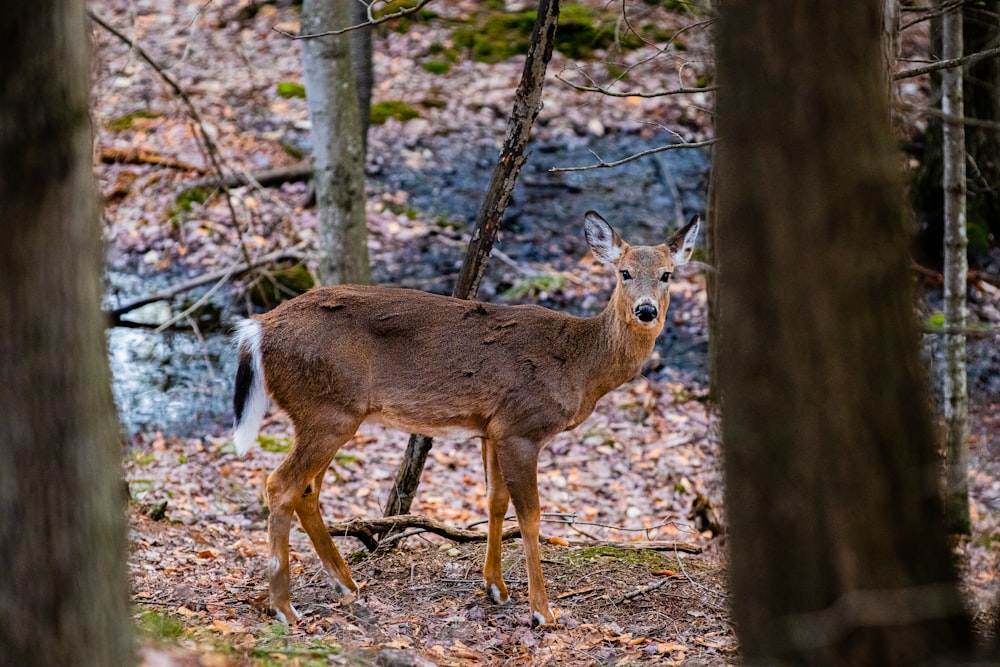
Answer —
274 444
187 199
401 111
292 151
533 286
646 557
581 32
125 122
437 67
280 284
433 103
289 89
979 237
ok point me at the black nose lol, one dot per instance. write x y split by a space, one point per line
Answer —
646 312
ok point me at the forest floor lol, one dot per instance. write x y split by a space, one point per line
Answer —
628 475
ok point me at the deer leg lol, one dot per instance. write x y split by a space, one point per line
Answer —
310 456
497 501
312 522
518 458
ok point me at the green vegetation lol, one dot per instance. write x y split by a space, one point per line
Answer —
437 66
159 626
274 444
496 36
646 557
187 199
125 122
288 89
280 284
401 111
533 286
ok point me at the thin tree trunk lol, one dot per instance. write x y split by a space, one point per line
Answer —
838 554
956 398
338 144
63 591
527 104
364 74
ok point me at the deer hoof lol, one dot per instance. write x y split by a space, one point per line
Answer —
287 616
539 619
499 596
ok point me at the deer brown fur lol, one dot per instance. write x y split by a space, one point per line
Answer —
513 376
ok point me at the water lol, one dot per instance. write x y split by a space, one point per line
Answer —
180 382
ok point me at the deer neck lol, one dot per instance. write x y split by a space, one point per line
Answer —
621 346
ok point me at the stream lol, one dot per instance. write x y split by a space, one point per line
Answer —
180 382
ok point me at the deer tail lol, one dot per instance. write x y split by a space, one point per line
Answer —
249 397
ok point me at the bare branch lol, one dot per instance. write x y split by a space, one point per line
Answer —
601 164
372 21
610 93
947 64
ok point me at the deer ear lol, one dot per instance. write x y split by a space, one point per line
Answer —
681 243
604 242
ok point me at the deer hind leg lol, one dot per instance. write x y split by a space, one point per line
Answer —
312 522
313 450
518 458
497 501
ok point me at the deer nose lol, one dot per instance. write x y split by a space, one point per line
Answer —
646 312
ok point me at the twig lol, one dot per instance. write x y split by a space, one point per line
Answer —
947 64
164 295
370 22
601 164
642 590
610 93
266 178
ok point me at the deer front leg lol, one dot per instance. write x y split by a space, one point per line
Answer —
518 458
497 501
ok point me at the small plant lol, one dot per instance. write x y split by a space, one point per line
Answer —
289 89
159 626
125 122
401 111
274 444
437 67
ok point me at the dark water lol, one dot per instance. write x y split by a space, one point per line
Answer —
181 382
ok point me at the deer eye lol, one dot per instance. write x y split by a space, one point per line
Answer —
626 275
665 277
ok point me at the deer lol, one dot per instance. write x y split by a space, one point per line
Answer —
512 376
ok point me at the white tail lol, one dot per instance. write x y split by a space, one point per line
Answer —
513 376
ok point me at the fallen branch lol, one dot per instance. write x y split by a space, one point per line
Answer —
145 156
115 315
642 590
367 530
266 178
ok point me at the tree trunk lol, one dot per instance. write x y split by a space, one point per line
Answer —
981 86
527 104
364 74
63 592
338 144
956 269
838 551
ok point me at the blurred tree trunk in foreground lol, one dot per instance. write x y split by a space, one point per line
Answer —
838 551
63 592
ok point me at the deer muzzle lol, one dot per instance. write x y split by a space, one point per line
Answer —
646 312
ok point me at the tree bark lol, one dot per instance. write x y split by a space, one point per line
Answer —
838 550
364 74
956 269
527 104
63 592
338 144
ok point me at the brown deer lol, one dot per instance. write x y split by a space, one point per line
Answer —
513 376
